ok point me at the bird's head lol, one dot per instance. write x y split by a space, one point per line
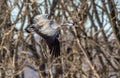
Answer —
41 17
37 21
40 20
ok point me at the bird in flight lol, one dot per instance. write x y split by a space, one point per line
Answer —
48 30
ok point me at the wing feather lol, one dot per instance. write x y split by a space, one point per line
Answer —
52 42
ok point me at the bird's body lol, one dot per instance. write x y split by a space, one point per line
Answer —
47 29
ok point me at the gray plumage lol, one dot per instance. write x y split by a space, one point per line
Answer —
47 29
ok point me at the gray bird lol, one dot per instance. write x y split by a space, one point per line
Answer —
48 30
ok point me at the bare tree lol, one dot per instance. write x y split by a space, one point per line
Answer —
89 39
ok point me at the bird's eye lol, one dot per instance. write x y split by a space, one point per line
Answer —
46 16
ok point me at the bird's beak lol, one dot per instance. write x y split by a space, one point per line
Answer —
30 28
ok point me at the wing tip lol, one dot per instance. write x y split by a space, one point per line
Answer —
55 48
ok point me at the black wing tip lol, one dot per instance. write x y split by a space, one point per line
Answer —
55 48
55 52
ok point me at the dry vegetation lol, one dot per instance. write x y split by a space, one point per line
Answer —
90 48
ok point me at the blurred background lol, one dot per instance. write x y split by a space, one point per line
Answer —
89 39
